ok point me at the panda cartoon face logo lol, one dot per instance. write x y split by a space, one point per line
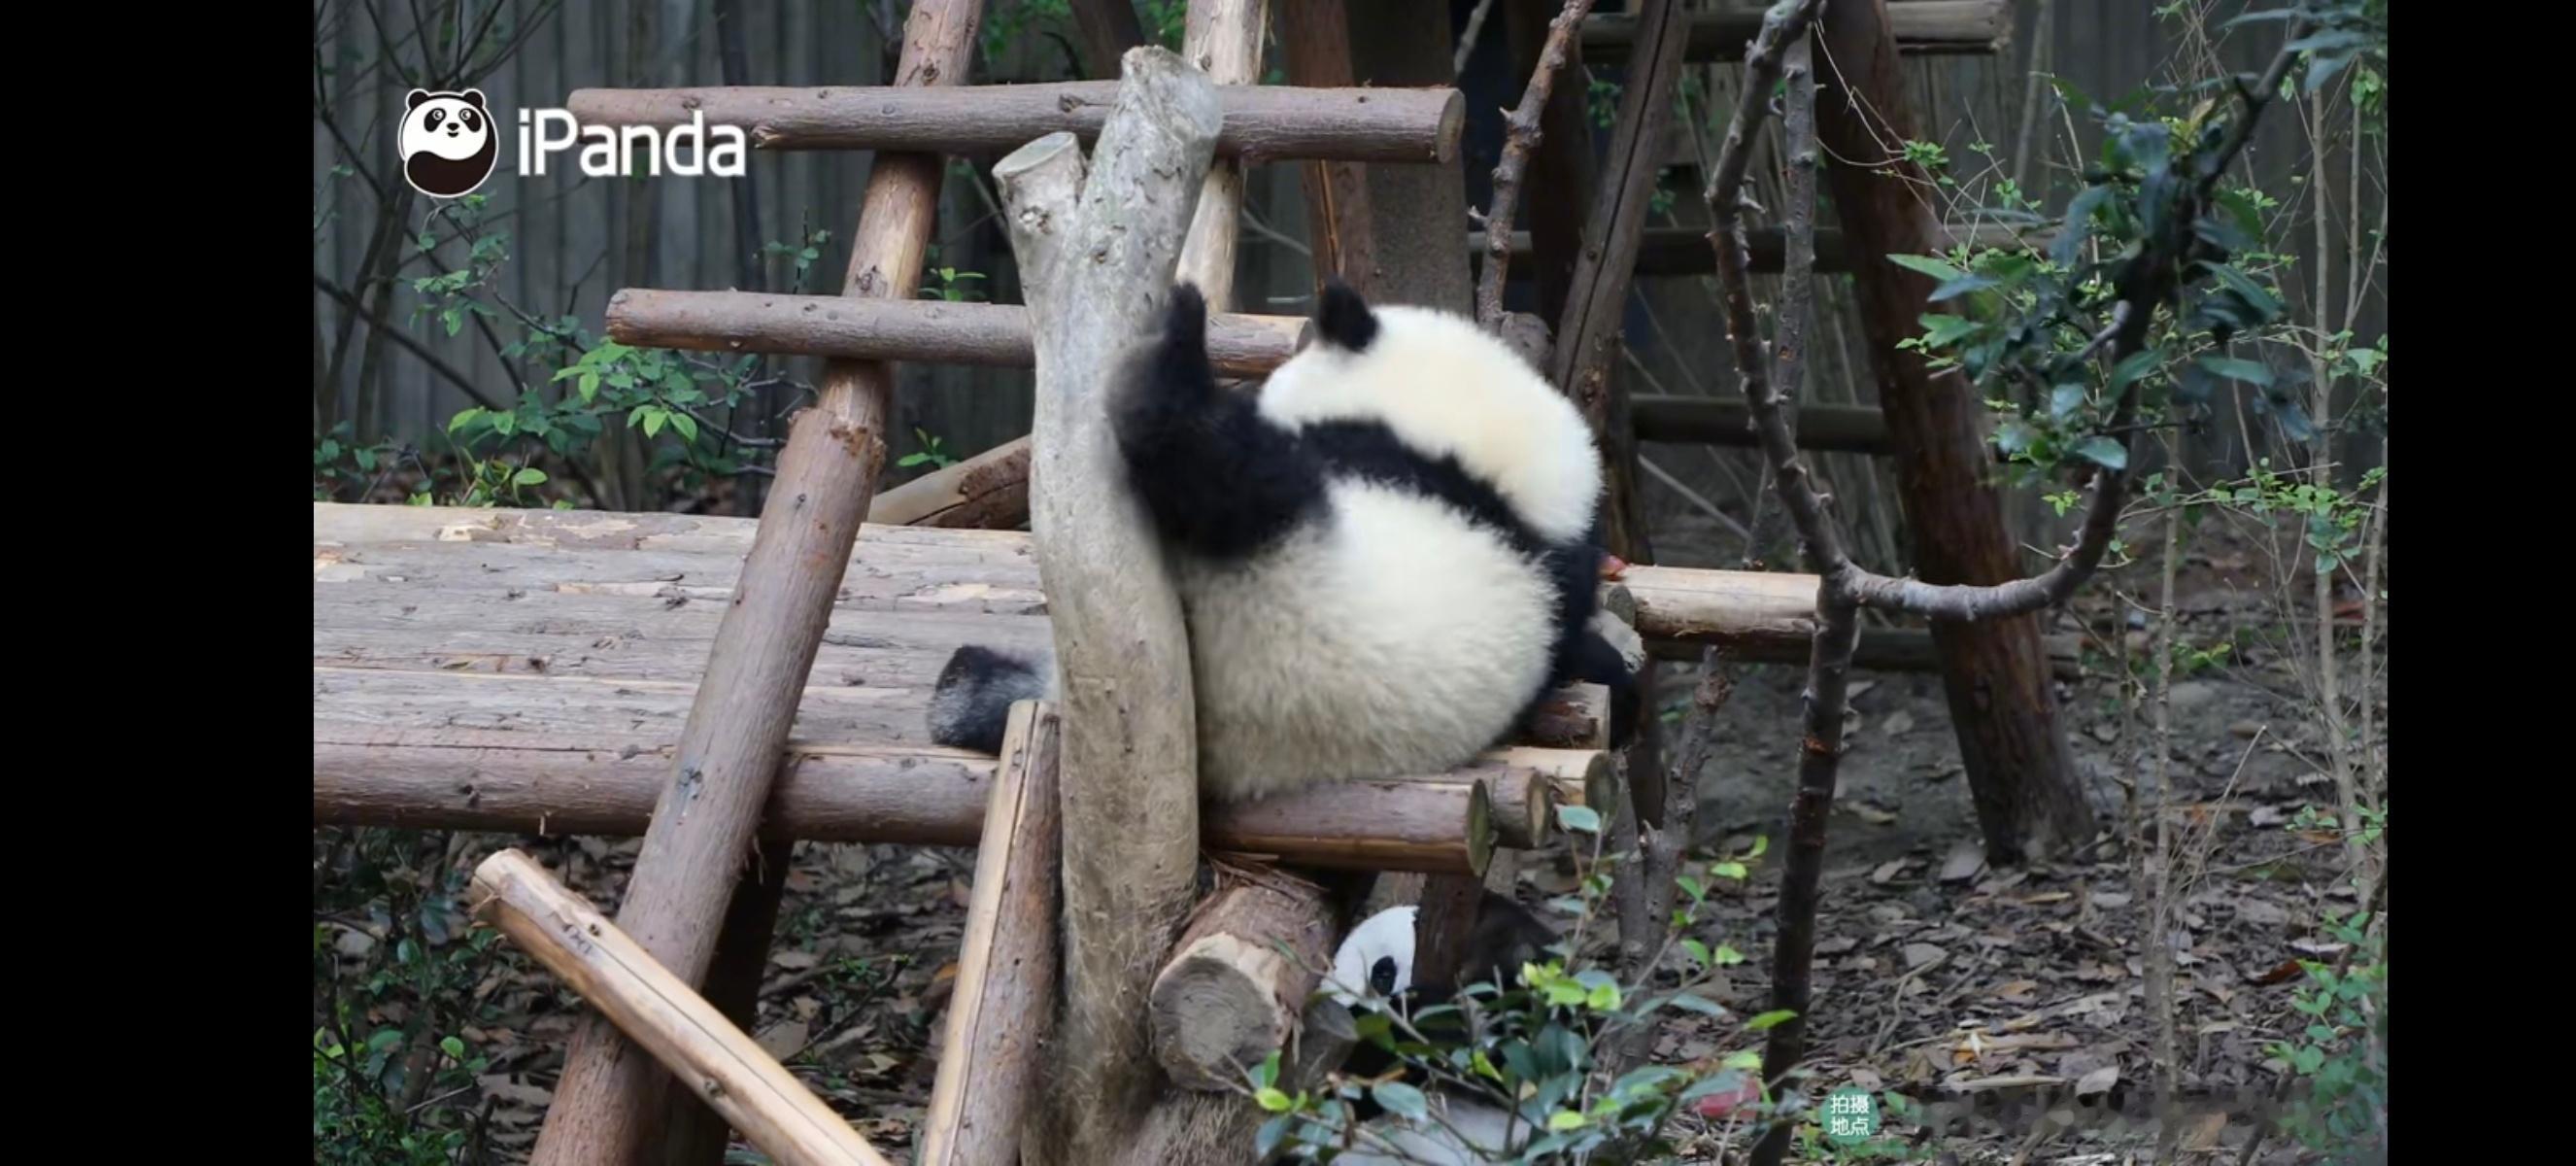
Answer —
447 142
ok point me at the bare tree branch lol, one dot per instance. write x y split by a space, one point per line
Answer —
1521 134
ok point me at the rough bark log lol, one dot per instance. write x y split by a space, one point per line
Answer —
481 779
1995 672
989 491
1006 970
1271 122
925 330
1097 246
608 1103
1315 46
615 975
1922 27
1237 979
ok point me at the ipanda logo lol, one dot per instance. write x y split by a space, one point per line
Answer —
449 148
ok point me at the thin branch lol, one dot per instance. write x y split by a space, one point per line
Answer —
436 364
1520 140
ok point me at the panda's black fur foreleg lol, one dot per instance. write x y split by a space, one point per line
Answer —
1216 478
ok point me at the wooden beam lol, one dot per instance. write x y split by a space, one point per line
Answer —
1267 122
491 780
1238 977
608 1105
615 975
1315 46
1006 973
1922 28
1995 672
919 330
989 491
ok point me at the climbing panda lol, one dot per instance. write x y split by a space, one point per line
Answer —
447 143
1373 970
1388 556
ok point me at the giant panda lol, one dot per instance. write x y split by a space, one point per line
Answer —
1387 557
1373 970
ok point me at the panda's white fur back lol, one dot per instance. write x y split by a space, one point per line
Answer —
1393 637
1446 386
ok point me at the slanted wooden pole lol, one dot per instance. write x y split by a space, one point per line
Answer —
1097 245
1995 672
1006 974
608 1105
616 976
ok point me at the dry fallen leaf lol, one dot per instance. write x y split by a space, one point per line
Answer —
2098 1081
785 1039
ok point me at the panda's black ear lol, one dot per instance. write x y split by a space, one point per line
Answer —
474 97
1343 319
415 98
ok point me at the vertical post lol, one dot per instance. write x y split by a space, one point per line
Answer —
1995 672
1097 245
1561 172
609 1103
1315 40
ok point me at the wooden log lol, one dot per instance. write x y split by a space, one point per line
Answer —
1581 777
1315 46
608 1105
1922 28
874 329
1723 421
1223 40
1589 333
1269 122
1096 244
616 976
989 491
1237 979
1522 800
1574 717
1685 250
1995 672
494 780
1325 1036
1006 972
1414 210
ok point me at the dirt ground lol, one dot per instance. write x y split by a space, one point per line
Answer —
1994 998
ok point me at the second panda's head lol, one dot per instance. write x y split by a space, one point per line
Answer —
1444 386
1376 960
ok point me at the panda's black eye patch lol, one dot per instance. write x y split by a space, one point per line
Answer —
435 116
1382 976
473 120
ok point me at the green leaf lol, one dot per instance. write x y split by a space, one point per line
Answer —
1400 1099
1947 330
2064 400
2238 369
687 425
2079 224
1928 266
2133 366
1604 998
1727 870
1566 1119
1579 819
453 1047
654 417
505 424
463 416
589 387
2108 452
1961 286
2254 295
1694 1002
1271 1133
528 477
1698 951
1769 1019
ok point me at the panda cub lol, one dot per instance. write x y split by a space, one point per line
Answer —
1387 558
1373 970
